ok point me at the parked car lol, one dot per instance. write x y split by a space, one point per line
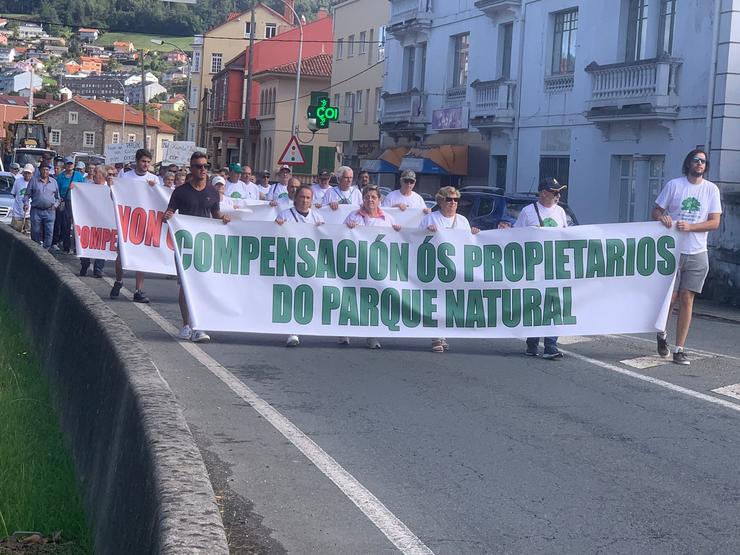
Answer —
6 200
485 210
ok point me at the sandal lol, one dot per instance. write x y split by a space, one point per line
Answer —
438 345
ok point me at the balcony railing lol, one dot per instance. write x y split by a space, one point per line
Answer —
559 83
493 99
403 107
649 84
408 14
456 95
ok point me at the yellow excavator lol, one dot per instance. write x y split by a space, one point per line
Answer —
26 141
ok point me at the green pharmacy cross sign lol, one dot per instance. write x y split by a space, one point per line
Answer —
323 113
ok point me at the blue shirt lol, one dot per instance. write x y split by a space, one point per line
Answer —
43 196
64 182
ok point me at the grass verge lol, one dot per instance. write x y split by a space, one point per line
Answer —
37 484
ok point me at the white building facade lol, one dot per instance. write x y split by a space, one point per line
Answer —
607 96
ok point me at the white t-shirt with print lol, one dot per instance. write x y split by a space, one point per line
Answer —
691 203
292 215
352 196
443 222
394 198
18 191
553 216
277 192
241 190
357 218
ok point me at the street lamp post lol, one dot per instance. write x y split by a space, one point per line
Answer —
190 76
298 72
123 119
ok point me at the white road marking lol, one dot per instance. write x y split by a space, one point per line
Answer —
395 530
729 390
646 362
573 339
689 350
656 381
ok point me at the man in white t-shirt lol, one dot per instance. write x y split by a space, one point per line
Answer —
19 216
264 185
301 213
693 204
344 192
321 188
142 176
406 197
238 189
544 212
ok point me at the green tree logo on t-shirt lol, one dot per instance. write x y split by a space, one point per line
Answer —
690 204
236 194
549 222
22 193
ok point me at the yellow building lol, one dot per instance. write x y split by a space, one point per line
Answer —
219 45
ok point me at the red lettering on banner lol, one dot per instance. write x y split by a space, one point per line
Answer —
138 226
124 216
85 237
95 238
154 228
105 239
170 242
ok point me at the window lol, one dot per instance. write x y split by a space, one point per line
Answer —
362 47
55 137
370 49
557 167
73 118
409 66
461 50
195 68
499 171
335 103
637 28
639 186
564 42
350 46
381 43
506 33
367 100
359 107
131 138
88 139
378 104
270 30
423 69
340 49
216 60
667 20
349 103
247 29
115 138
148 142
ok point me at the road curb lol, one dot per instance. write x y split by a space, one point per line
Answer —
143 482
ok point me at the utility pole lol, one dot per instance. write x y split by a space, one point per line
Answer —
143 93
247 142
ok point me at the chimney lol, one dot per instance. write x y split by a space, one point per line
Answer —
287 13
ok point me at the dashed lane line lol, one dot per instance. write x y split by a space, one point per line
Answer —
393 529
729 391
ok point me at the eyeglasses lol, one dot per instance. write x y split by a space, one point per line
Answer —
201 166
111 175
452 199
697 160
409 180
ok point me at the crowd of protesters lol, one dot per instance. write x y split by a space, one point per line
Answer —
43 196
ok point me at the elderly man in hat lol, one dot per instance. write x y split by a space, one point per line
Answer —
279 190
19 215
15 168
406 197
238 189
42 196
544 212
63 220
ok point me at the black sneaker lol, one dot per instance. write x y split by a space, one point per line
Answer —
116 290
552 354
98 274
663 346
681 358
140 297
83 271
531 351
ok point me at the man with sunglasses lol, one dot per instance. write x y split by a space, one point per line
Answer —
693 204
406 197
195 198
321 188
140 174
544 212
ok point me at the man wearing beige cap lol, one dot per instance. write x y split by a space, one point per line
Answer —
19 216
405 197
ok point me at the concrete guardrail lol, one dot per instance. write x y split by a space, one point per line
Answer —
144 485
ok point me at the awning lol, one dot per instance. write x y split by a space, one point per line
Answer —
387 162
437 160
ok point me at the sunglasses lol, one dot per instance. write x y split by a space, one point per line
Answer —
697 160
201 166
111 175
409 180
553 193
452 199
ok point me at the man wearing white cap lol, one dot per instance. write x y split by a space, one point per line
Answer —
19 216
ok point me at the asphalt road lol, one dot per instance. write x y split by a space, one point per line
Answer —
480 450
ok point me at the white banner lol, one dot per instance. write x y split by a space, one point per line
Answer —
376 282
143 239
94 220
122 153
178 152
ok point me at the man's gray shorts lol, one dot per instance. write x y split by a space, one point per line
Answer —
692 271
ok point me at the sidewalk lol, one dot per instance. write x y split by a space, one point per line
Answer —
713 309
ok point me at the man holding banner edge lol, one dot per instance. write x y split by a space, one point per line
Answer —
195 198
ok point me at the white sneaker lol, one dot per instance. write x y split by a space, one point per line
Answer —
373 343
200 337
185 332
344 340
293 341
